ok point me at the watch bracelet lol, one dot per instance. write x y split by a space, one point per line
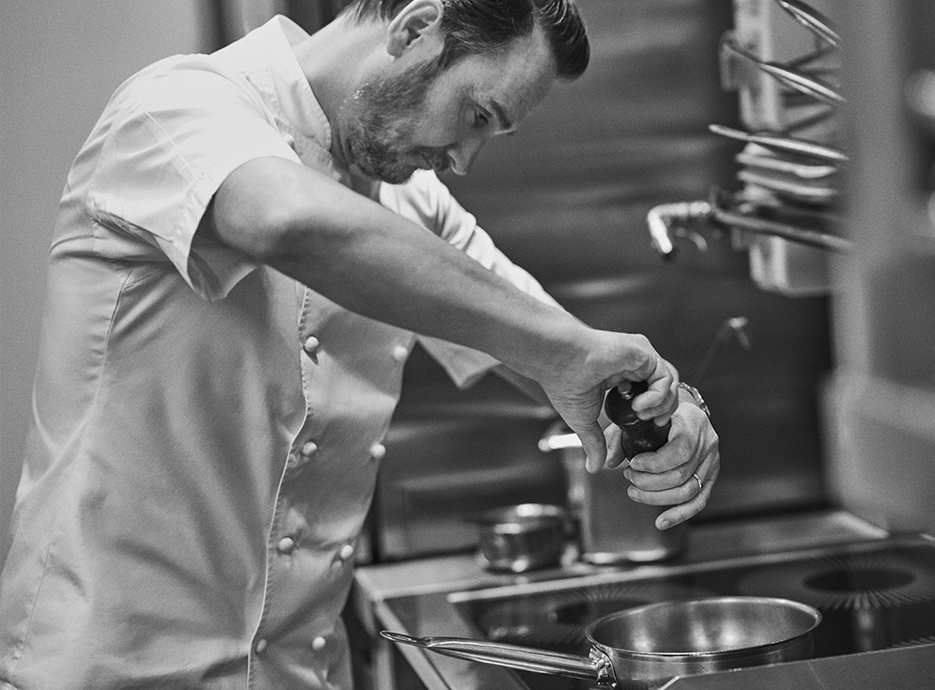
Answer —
696 395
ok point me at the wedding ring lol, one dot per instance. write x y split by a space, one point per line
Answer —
698 479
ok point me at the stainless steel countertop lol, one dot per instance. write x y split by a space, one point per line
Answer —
413 597
717 541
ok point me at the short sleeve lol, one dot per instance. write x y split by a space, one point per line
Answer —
170 140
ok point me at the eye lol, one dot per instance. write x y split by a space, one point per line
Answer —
481 119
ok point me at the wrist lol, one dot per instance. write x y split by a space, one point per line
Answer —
562 344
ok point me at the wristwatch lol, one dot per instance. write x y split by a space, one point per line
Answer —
692 391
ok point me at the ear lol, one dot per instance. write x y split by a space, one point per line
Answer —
420 19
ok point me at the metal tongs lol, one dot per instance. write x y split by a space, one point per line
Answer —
757 158
794 78
812 19
784 144
810 192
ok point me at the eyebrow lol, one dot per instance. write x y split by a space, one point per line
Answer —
505 123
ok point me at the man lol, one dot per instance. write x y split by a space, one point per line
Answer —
239 269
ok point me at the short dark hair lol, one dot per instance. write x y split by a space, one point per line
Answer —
479 26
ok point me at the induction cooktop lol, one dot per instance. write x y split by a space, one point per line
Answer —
872 596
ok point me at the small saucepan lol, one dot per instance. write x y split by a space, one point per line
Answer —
646 646
521 538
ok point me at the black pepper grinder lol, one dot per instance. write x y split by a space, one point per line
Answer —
639 435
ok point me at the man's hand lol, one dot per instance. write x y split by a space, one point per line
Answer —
577 389
681 473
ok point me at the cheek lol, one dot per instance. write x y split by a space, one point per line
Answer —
431 138
439 125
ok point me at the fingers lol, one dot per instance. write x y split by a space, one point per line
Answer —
684 511
682 473
594 445
688 498
661 400
578 395
615 456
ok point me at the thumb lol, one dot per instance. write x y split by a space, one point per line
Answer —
594 445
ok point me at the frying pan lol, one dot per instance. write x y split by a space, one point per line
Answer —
646 646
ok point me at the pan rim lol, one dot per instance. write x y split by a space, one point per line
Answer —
730 653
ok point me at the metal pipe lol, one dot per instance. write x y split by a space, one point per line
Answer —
661 220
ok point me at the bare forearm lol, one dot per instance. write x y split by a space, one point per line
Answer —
376 263
399 274
371 261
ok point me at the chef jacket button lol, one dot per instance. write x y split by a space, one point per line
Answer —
318 644
400 353
260 646
377 451
286 545
346 552
309 448
312 346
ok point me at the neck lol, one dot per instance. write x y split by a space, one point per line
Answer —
335 60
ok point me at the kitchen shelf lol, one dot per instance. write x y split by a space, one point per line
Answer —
767 33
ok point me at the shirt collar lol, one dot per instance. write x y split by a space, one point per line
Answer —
270 45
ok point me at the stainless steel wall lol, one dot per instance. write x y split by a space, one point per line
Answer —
567 198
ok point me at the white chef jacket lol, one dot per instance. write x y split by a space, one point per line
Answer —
206 431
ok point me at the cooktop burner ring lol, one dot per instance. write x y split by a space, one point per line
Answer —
916 642
846 582
560 619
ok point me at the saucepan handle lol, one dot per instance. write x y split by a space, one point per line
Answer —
513 656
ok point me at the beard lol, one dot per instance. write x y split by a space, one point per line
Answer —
381 115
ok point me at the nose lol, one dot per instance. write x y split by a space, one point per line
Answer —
461 155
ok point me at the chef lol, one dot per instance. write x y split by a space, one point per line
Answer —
248 244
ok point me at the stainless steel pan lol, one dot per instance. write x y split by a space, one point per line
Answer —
646 646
